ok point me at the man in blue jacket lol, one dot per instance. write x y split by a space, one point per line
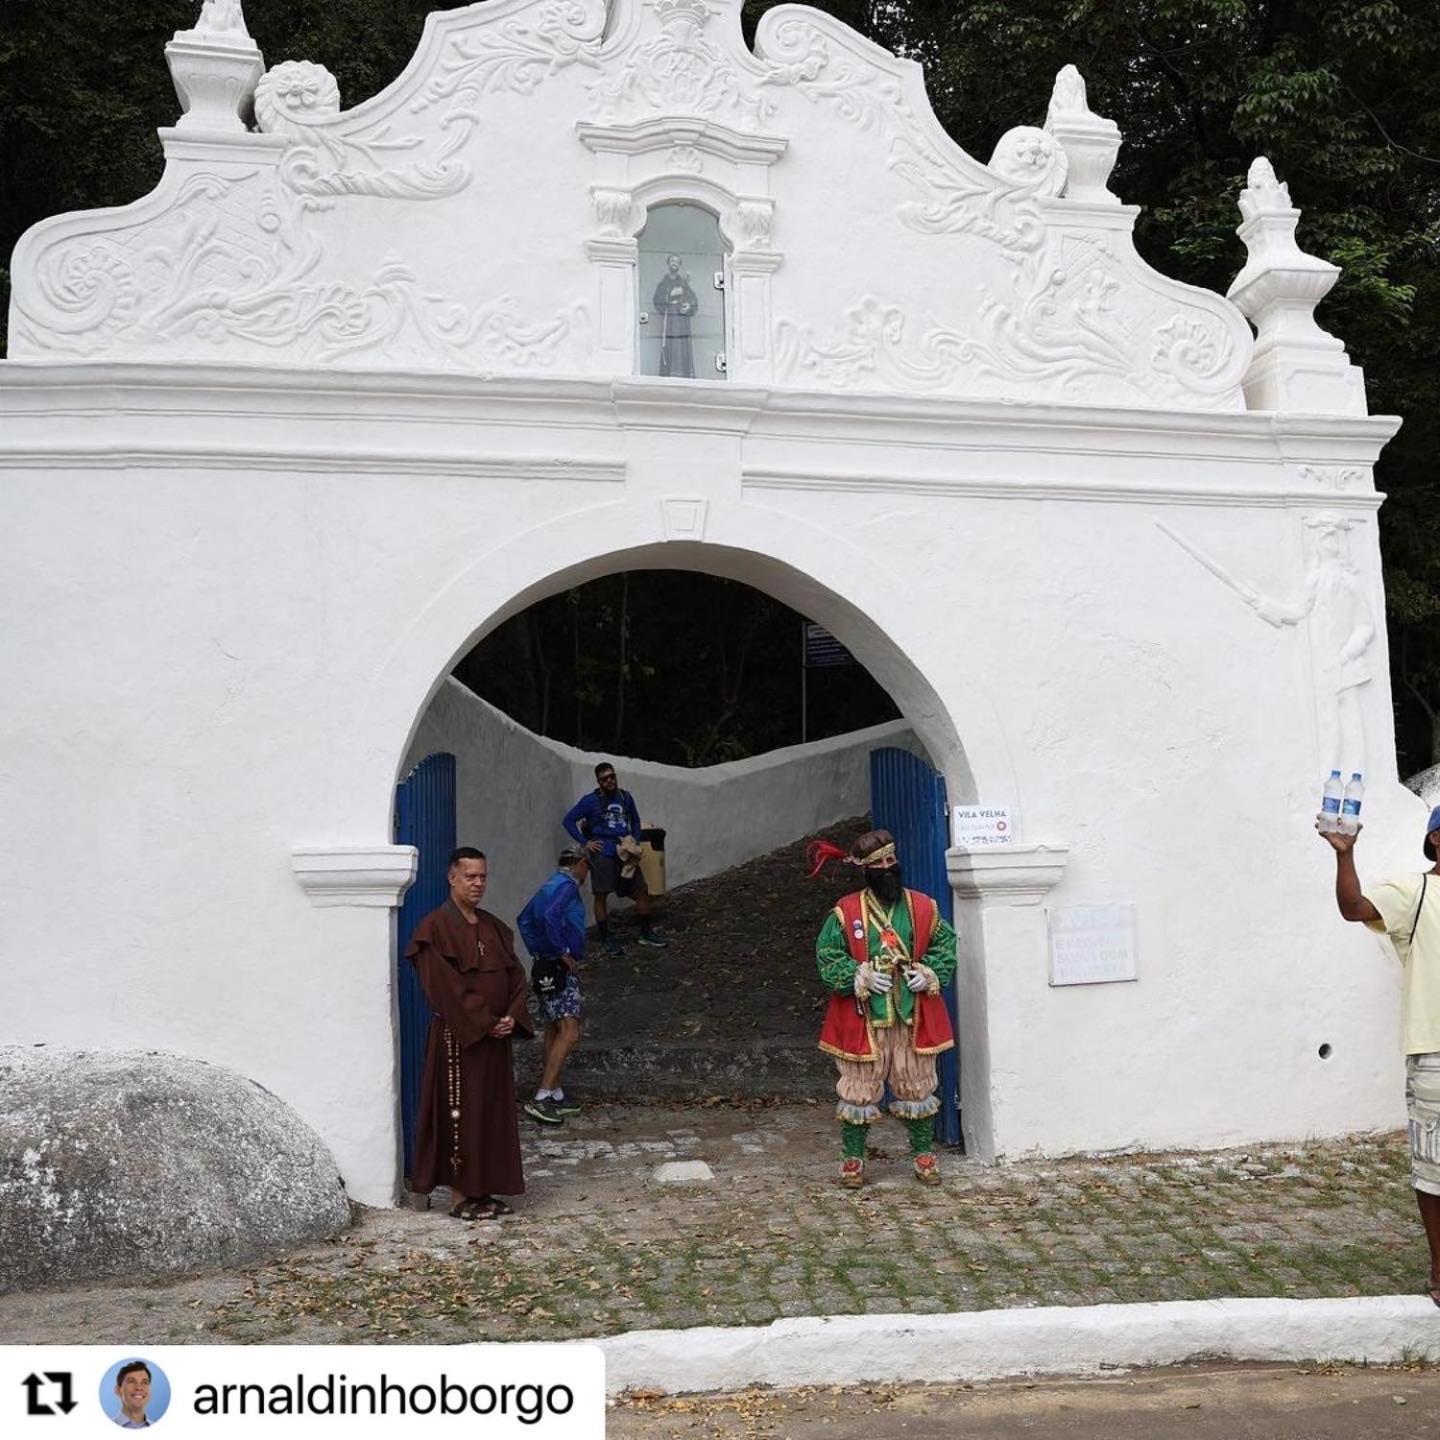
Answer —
552 925
607 824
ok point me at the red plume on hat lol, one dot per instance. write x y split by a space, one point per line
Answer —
820 853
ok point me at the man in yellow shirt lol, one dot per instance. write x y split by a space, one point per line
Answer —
1407 909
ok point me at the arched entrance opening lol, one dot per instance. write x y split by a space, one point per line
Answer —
674 1037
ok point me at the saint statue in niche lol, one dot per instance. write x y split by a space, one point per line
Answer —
676 302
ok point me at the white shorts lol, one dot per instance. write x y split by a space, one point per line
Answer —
1422 1102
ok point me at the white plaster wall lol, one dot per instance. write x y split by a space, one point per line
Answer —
513 788
263 580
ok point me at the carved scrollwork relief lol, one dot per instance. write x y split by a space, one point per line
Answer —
955 193
1333 477
681 70
1059 334
234 256
332 160
517 54
231 263
871 349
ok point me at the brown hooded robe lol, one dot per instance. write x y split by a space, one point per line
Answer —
472 980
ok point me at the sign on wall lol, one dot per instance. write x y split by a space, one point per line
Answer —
980 827
1093 944
823 649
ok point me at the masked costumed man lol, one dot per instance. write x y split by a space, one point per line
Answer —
884 952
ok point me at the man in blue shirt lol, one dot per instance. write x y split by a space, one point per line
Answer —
552 925
607 824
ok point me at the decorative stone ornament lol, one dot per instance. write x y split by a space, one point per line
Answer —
215 67
293 95
1090 142
1297 365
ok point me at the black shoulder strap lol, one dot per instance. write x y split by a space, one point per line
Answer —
1419 905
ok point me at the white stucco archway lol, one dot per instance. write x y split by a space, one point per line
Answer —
506 581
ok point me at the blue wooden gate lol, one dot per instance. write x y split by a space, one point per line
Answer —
907 798
424 818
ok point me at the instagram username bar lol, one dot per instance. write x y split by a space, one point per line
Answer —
338 1395
557 1391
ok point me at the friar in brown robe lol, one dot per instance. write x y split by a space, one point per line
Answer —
467 1133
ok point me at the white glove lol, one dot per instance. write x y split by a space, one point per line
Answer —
870 981
917 980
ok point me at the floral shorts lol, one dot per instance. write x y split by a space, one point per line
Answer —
564 1004
1422 1102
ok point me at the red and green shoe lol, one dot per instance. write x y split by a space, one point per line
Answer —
927 1169
852 1173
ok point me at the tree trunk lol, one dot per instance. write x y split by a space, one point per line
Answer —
623 666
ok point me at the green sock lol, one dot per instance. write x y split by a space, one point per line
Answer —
852 1140
922 1135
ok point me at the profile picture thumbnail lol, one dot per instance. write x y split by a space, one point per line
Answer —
134 1393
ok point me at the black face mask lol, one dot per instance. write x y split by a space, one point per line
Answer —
886 885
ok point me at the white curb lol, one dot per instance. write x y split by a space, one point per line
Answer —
995 1344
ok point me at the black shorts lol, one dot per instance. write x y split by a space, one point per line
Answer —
606 879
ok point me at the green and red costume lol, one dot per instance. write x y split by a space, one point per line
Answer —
891 1037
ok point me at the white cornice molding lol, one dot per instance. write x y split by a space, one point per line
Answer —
374 876
1016 875
193 394
339 460
995 488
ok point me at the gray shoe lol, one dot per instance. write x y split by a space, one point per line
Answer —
568 1106
544 1111
654 940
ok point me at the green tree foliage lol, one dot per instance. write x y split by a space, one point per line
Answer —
668 665
1342 95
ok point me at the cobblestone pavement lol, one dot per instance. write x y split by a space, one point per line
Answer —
598 1246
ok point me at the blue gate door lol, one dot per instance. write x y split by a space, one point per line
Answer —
907 798
424 818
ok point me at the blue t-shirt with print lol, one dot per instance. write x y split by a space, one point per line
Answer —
606 818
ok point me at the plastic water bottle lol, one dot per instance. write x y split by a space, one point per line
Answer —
1350 806
1330 802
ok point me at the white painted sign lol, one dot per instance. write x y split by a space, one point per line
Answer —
1092 944
980 827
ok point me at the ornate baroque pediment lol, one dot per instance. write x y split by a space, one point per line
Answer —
479 215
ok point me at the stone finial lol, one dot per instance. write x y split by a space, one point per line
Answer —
1264 192
221 17
215 67
1090 142
1297 365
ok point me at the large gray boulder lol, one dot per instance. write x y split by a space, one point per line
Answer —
139 1165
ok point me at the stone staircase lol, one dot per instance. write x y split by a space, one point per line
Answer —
732 1008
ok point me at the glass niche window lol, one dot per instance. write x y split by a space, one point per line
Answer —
682 294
